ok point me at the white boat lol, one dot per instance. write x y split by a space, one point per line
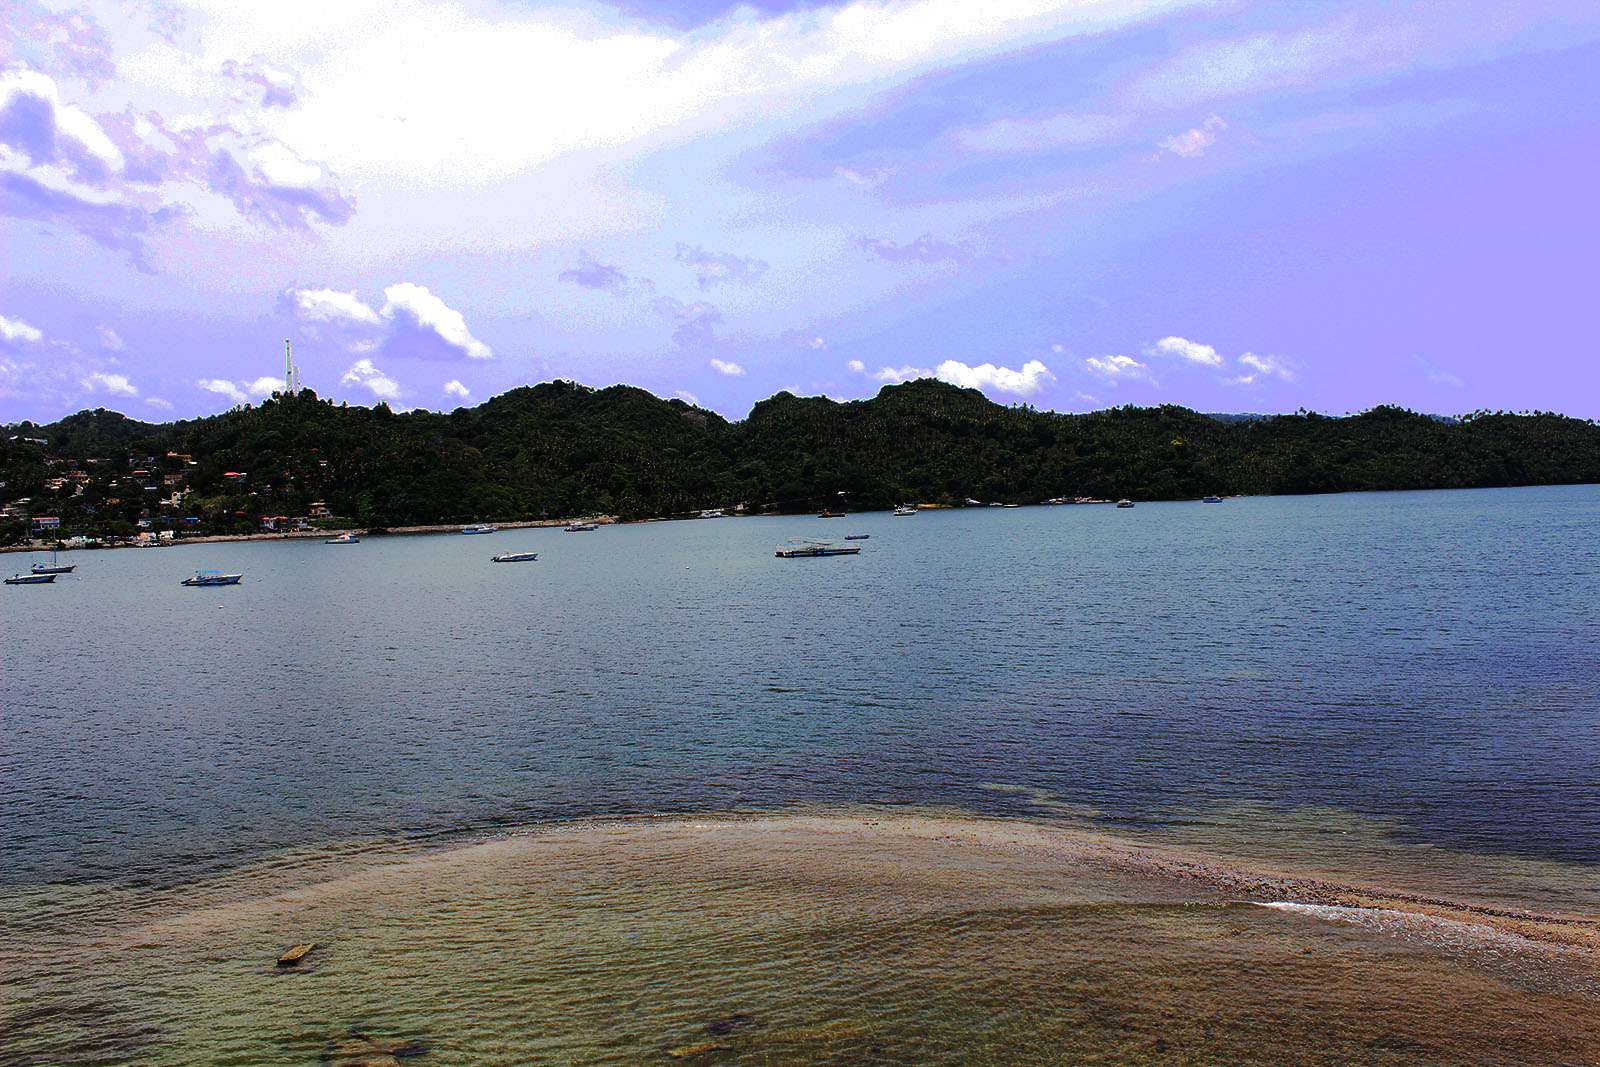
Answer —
213 578
1124 503
343 539
581 527
712 513
515 557
477 528
809 546
905 509
30 579
52 567
1211 500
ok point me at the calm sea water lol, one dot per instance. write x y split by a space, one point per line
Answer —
195 778
1426 657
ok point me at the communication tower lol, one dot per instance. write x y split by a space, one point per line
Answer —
291 375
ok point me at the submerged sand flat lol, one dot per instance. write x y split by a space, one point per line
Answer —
833 937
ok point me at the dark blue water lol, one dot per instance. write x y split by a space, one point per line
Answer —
1425 657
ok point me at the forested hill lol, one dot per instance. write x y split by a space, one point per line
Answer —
562 449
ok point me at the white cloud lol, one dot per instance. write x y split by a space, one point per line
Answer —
1193 143
401 89
1024 382
425 327
895 376
157 402
330 305
109 339
1190 351
17 332
412 324
243 392
369 377
454 388
687 397
114 384
857 366
724 367
1118 368
1271 366
224 388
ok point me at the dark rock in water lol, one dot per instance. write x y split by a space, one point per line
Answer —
726 1024
393 1048
355 1049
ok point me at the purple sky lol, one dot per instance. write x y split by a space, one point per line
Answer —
1233 206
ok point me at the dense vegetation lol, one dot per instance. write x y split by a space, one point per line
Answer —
561 449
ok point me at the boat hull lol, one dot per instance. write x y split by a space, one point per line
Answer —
30 579
515 557
220 579
43 568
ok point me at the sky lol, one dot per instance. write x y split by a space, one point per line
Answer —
1075 204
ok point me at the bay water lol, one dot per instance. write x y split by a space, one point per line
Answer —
661 795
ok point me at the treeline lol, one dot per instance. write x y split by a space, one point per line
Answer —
562 449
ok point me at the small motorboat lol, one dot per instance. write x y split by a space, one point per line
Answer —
1211 500
905 509
829 514
1124 503
856 537
477 528
515 557
213 577
581 527
30 579
343 539
806 546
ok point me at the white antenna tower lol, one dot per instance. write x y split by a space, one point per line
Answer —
291 378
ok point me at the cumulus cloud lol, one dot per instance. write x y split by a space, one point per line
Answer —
113 384
1026 381
713 267
1023 382
242 392
455 389
421 326
15 333
116 178
1193 143
331 305
1117 368
722 366
1189 351
687 397
157 402
270 184
108 338
413 323
592 274
369 377
926 249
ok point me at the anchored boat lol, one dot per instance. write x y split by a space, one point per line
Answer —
515 557
810 546
30 579
213 577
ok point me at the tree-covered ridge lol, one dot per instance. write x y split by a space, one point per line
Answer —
562 449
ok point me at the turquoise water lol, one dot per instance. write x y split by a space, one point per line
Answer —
459 778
